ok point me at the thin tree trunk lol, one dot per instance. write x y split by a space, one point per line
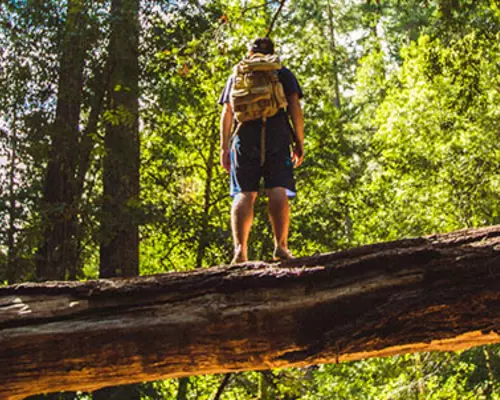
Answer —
12 214
87 142
419 377
183 388
203 241
119 224
86 146
491 374
57 253
333 48
222 386
264 387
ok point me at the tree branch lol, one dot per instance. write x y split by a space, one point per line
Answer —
271 26
222 386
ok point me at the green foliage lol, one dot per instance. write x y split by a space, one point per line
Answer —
27 82
434 155
402 114
461 375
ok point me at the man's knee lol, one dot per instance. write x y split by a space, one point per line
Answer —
247 198
277 194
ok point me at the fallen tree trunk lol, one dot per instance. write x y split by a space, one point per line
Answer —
436 293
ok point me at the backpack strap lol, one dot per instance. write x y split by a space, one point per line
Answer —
262 138
263 141
236 131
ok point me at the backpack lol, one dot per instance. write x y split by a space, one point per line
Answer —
257 92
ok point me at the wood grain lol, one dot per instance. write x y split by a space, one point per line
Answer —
440 292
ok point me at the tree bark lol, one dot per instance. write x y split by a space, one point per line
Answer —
203 239
120 233
440 292
183 388
12 213
86 146
119 244
333 48
57 254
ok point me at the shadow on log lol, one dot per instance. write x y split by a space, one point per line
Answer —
440 292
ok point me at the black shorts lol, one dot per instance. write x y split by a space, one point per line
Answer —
277 171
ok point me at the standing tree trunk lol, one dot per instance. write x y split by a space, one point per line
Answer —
333 48
119 224
119 227
57 253
11 240
182 390
86 146
209 169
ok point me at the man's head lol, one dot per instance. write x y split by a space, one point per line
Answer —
262 45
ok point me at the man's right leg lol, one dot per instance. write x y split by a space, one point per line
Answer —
279 215
241 223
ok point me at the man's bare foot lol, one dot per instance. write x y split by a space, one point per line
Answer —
238 257
281 254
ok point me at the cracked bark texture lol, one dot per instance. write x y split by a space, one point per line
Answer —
440 292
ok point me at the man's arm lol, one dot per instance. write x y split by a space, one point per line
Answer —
226 125
297 117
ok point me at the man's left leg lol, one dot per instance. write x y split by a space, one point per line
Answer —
241 222
279 215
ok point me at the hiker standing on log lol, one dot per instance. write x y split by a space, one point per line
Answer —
259 96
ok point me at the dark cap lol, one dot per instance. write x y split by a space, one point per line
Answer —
262 45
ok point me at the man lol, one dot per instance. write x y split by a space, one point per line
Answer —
242 159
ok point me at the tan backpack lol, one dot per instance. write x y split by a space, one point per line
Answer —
257 92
